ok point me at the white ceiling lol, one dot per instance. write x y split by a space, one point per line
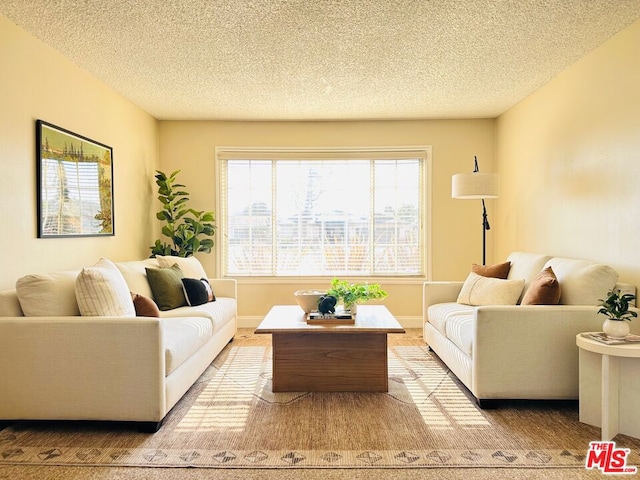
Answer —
323 59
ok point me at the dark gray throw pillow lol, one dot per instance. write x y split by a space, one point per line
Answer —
197 292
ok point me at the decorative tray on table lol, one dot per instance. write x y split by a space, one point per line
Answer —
340 317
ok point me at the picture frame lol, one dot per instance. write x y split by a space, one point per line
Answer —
74 184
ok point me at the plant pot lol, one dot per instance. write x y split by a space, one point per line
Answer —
615 328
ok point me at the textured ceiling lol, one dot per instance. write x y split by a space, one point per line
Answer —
323 59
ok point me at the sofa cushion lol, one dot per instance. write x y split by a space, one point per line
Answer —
439 313
183 336
479 290
48 294
145 307
166 286
526 265
135 275
460 332
102 291
582 282
544 289
218 313
190 266
499 270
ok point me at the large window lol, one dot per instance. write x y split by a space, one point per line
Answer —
322 212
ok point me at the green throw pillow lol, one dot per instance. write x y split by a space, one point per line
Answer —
166 286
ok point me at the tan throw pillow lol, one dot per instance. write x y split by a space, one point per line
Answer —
166 285
190 266
145 307
544 289
499 270
479 290
102 291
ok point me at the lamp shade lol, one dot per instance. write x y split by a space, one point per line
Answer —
475 185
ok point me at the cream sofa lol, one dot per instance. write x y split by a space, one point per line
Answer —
59 365
519 351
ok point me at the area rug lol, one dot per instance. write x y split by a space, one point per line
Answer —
231 419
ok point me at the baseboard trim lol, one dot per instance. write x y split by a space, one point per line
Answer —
252 321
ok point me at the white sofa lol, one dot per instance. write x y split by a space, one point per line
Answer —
519 351
59 365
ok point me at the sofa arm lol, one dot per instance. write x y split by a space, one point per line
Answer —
439 292
532 347
82 368
224 287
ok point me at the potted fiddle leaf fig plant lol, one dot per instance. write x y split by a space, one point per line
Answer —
616 307
185 227
352 293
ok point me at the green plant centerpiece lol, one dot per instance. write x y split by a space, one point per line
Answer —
185 227
616 307
352 293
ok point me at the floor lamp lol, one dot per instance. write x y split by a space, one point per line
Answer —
474 186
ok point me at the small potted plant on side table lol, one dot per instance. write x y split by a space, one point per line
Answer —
352 293
616 308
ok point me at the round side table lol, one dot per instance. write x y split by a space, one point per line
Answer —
610 386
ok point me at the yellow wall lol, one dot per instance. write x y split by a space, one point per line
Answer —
569 157
39 83
455 224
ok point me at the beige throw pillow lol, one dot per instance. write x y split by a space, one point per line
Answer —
189 266
48 294
479 290
583 282
102 291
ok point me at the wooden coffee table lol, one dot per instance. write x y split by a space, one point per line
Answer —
330 358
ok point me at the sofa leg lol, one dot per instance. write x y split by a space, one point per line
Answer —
149 427
487 403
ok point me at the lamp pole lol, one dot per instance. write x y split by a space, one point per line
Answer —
485 219
485 227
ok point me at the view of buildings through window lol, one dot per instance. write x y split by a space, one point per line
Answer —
308 217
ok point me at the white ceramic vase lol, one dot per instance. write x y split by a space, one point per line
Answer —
615 328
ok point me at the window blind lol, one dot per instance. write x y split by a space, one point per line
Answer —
322 212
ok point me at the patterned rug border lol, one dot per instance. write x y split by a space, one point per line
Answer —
176 458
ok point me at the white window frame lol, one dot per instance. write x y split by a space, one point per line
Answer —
424 152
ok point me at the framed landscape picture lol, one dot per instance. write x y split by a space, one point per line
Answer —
75 184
